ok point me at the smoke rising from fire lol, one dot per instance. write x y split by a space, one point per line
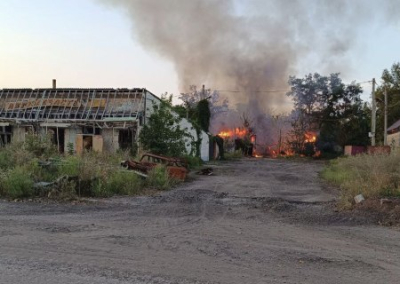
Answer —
250 46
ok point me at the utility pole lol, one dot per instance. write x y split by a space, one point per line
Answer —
373 114
385 120
203 92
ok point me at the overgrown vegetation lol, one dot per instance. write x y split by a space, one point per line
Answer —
369 175
159 178
162 134
35 169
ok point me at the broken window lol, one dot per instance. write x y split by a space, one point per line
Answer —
126 138
5 135
57 137
91 130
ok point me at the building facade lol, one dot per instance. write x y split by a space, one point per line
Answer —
79 119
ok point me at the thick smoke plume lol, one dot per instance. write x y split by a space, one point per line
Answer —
252 46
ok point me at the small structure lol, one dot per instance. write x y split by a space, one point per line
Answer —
78 119
393 134
351 150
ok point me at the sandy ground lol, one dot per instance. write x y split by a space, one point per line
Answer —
254 221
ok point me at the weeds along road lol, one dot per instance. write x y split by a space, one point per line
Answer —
254 221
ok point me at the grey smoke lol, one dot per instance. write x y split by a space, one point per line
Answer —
252 46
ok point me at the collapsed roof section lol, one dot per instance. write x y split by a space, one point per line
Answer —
72 105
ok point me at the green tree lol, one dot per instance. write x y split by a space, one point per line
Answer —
390 82
162 134
325 105
203 114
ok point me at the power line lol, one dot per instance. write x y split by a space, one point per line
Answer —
261 91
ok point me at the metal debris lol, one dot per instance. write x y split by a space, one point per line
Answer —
176 167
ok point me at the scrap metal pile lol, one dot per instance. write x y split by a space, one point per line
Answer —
176 167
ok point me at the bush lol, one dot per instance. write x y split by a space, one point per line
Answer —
14 155
70 166
159 178
16 183
40 145
123 182
5 159
92 174
369 175
193 162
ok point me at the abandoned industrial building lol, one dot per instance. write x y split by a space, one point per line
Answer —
79 119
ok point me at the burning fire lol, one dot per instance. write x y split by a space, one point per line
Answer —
237 132
310 137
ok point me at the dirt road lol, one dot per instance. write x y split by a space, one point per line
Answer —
254 221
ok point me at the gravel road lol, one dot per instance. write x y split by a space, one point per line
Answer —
254 221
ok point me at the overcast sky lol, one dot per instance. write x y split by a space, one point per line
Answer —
83 43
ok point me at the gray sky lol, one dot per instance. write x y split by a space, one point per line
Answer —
83 43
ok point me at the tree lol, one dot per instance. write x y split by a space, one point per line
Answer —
162 134
194 96
199 107
325 105
390 82
203 114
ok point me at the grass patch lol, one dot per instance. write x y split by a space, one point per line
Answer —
34 169
369 175
123 182
158 178
16 183
193 162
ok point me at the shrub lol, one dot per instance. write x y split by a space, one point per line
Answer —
40 145
14 155
16 183
193 162
70 166
123 182
5 159
159 178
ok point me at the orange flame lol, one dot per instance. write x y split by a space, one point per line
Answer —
237 132
310 137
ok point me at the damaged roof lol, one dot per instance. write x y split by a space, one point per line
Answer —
72 104
394 127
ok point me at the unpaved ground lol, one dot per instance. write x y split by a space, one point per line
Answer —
255 221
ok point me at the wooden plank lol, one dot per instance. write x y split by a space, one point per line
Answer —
98 143
79 144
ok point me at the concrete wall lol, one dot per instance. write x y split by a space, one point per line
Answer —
18 134
110 140
204 147
151 102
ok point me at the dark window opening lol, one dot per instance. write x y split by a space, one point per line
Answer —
58 138
91 131
87 142
5 135
126 138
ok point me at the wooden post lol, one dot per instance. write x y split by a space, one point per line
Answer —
385 142
373 114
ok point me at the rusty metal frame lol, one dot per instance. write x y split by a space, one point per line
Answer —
82 114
